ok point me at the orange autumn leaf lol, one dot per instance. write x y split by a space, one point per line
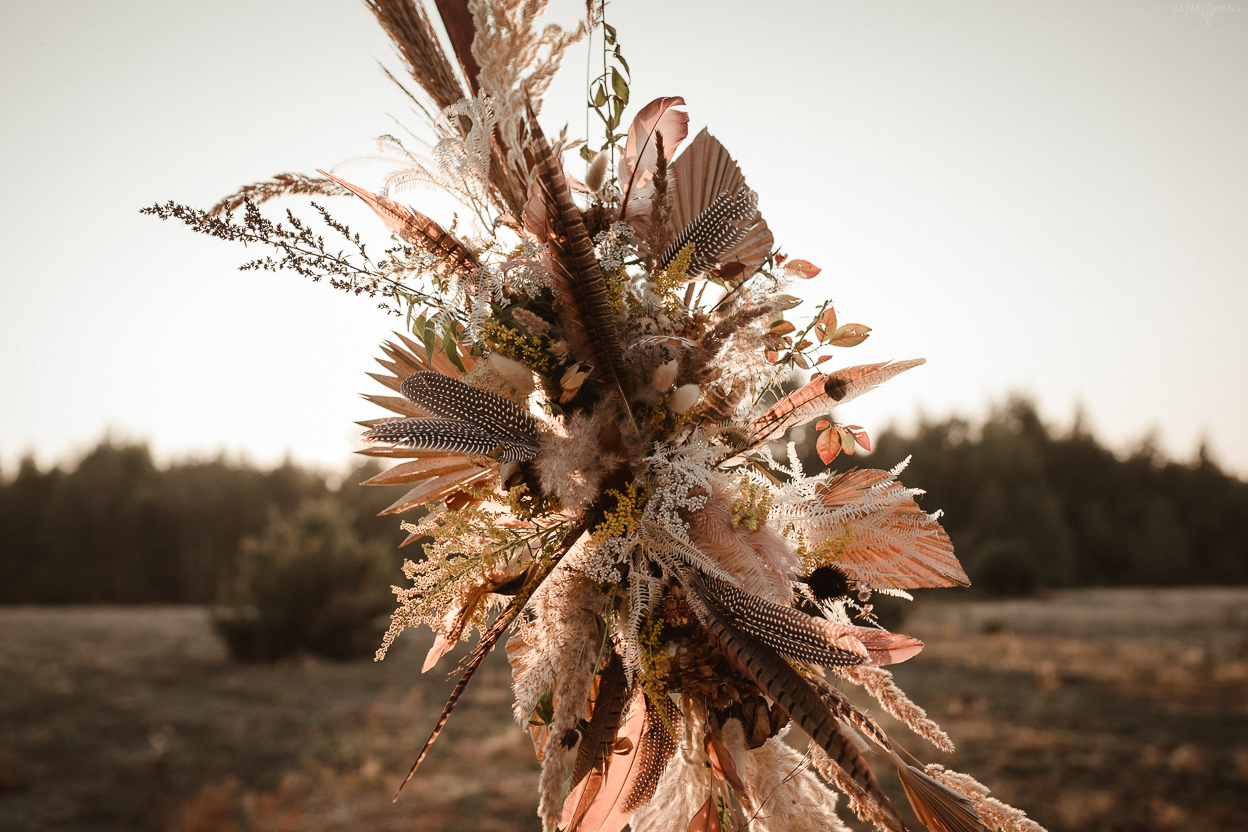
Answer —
828 445
802 268
850 335
826 324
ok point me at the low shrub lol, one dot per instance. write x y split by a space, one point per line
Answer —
1004 567
308 584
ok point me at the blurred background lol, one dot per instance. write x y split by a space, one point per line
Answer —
1048 202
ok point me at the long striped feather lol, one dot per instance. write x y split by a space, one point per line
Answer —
598 740
576 272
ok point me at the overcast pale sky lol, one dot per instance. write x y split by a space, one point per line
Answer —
1049 198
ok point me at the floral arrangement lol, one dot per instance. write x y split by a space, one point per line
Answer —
585 406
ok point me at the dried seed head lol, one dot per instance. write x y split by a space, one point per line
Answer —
597 172
664 376
684 398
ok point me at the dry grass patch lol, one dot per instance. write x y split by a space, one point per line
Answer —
1091 710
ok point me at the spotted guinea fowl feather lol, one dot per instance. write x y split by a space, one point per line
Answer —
450 436
774 676
655 750
703 172
801 637
452 399
714 232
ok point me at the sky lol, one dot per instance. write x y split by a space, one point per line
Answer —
1048 199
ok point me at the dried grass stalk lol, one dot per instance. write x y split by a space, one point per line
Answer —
408 26
995 815
280 185
879 683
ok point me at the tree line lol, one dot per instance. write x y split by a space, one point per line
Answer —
1027 507
116 528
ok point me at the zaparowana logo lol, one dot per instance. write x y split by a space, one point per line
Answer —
1206 10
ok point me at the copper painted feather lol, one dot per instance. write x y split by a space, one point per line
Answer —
418 230
821 394
640 157
598 805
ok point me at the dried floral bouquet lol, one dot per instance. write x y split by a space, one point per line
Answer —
585 411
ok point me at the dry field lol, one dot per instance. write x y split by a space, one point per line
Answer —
1092 710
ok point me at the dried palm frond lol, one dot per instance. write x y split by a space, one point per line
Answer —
707 177
588 316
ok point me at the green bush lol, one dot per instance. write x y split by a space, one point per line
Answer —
1004 567
307 585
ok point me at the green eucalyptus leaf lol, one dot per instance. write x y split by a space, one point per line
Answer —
430 339
451 347
620 86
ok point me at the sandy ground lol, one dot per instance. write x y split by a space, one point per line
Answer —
1092 710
